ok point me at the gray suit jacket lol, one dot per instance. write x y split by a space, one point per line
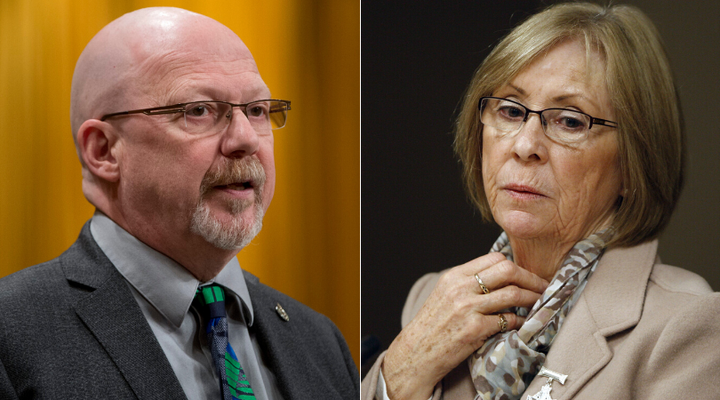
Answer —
641 330
70 328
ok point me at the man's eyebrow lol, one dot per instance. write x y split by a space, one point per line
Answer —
199 92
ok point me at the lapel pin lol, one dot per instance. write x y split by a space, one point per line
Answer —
544 393
281 312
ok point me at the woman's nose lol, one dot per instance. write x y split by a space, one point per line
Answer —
530 141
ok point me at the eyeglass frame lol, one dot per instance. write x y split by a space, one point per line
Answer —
180 108
593 120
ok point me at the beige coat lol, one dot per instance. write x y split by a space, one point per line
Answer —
640 330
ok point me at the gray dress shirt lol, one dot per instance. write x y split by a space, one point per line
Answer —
164 291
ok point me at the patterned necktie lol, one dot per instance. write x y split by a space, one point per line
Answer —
233 383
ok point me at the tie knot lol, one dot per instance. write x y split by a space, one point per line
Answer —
212 297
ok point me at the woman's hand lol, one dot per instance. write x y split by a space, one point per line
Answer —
455 320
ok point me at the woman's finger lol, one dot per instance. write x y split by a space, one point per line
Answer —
513 321
506 297
503 322
505 273
481 263
492 324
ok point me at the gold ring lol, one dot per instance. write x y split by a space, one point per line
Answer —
482 285
502 323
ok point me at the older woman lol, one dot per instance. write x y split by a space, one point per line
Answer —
571 140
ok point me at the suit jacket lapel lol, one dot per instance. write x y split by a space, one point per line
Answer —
110 312
280 342
275 337
611 303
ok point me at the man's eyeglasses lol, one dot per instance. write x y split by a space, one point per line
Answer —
211 116
561 124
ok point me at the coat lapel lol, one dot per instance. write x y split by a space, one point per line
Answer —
276 338
611 303
109 310
284 345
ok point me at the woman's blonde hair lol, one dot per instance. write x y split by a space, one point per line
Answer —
651 140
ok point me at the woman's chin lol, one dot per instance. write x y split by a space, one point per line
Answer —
523 225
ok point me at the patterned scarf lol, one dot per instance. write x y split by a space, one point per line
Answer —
504 366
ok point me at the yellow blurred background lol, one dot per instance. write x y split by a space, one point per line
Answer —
308 51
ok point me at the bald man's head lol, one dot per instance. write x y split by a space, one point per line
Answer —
196 196
123 63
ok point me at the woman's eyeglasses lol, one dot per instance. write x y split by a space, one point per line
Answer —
560 124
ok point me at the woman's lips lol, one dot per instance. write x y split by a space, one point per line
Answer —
522 192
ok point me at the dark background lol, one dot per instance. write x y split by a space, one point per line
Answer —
417 59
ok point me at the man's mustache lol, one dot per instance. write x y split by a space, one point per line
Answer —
242 171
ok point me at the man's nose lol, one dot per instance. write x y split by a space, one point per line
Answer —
240 138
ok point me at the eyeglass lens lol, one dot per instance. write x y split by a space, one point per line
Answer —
212 116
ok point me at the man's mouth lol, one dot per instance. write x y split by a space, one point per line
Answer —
237 185
236 177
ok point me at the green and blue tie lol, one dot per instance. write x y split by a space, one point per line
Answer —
233 382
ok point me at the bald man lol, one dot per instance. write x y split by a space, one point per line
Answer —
173 127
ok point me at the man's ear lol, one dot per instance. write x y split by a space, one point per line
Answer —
96 143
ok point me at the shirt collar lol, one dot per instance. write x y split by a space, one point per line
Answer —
165 284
